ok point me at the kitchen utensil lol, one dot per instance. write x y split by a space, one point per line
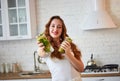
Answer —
15 67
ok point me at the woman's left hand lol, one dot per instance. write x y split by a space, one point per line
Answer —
66 46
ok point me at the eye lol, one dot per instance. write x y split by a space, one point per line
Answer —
52 26
59 27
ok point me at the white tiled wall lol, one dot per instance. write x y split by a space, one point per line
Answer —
20 51
104 44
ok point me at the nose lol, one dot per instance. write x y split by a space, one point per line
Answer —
56 28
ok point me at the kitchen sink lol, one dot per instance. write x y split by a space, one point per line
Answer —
28 74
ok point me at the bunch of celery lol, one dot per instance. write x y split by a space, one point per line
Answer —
43 39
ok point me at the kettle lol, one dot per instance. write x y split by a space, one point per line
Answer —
91 62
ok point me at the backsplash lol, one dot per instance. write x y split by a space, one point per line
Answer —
20 51
104 44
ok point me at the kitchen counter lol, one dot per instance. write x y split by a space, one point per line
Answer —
100 75
9 76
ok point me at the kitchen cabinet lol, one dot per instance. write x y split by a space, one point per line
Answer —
17 19
15 80
29 80
101 79
39 80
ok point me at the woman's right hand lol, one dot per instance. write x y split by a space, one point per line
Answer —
41 51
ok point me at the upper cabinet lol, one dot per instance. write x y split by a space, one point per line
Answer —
17 19
1 23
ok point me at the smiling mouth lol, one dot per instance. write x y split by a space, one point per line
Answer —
55 33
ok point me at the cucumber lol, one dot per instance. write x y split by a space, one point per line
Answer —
66 39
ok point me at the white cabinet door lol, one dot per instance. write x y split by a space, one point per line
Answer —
17 19
39 80
112 79
29 80
15 80
101 79
89 79
1 80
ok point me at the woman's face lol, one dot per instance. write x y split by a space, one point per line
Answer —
55 28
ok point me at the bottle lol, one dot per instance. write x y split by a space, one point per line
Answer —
6 68
2 68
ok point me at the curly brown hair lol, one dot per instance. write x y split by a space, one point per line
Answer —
55 53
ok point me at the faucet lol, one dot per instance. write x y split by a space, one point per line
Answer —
39 60
36 68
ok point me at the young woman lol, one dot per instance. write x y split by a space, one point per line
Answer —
66 66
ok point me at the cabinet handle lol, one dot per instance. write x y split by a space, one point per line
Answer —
101 79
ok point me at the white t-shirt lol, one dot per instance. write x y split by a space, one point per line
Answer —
62 70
